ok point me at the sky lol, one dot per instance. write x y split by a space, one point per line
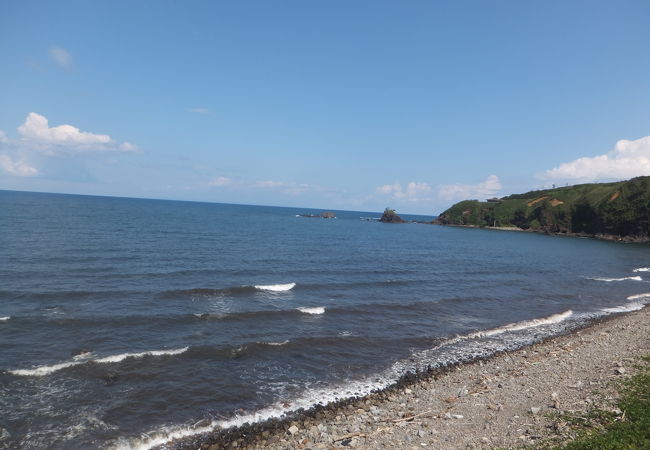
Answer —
338 104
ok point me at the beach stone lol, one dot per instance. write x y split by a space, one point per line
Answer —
620 370
293 429
535 410
408 391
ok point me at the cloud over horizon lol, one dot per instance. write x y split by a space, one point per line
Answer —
220 181
487 188
36 130
414 191
17 168
37 140
628 159
61 57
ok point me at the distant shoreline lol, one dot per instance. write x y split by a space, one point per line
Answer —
602 237
444 402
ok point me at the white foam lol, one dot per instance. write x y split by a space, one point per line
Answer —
44 370
523 325
642 269
5 318
276 344
275 287
638 296
123 356
634 306
85 358
312 310
637 278
305 401
312 397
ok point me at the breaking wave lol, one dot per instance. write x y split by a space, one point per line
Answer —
275 287
517 326
330 394
633 306
312 310
46 370
642 269
235 290
638 296
276 344
636 278
5 318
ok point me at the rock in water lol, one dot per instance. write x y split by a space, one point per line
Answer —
390 216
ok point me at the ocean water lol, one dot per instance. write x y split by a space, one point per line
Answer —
124 322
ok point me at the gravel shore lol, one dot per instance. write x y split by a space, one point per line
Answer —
509 400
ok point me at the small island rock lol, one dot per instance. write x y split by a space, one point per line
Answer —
390 216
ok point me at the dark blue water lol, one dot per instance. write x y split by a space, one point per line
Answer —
125 316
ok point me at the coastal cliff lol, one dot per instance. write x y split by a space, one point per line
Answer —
619 211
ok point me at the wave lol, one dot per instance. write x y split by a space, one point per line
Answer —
275 287
332 393
123 356
636 278
235 290
634 306
638 296
46 370
312 310
517 326
642 269
5 318
275 344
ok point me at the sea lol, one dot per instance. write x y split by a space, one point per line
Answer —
127 322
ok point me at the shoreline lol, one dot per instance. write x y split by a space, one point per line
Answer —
600 237
452 406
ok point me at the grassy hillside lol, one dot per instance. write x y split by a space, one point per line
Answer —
620 209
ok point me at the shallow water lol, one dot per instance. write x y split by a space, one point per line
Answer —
120 317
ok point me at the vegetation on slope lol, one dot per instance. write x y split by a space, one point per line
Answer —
620 209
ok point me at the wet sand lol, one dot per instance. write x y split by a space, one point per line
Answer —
508 400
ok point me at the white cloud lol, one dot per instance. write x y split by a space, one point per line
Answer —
17 168
61 57
3 137
458 191
290 188
199 110
36 130
412 192
628 159
220 181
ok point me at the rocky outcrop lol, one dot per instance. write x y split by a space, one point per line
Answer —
390 216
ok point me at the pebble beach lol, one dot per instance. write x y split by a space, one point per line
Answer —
509 400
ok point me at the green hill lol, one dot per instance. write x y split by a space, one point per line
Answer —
610 210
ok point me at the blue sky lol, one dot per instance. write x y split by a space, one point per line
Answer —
335 105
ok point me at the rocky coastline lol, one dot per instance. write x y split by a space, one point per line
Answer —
630 239
513 399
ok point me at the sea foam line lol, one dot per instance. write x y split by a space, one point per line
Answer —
310 398
633 306
312 310
5 318
517 326
642 269
636 278
46 370
275 287
638 296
